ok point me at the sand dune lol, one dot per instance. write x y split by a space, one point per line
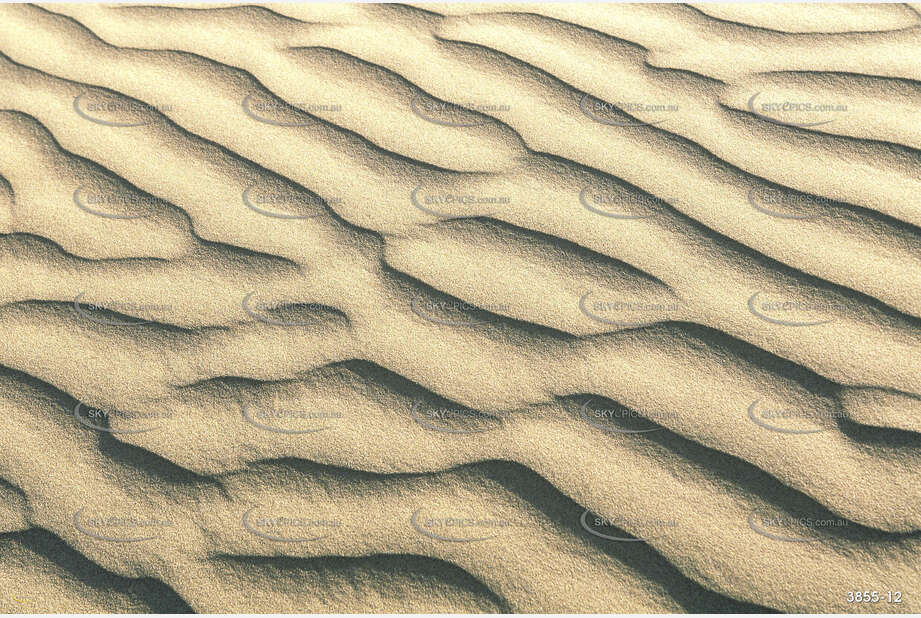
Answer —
460 308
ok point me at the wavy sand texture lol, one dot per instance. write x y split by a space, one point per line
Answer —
460 308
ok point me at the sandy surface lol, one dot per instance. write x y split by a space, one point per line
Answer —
460 308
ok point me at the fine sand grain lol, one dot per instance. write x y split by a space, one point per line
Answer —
460 308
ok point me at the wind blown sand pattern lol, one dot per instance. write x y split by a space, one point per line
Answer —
460 308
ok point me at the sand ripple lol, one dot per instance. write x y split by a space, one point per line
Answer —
459 308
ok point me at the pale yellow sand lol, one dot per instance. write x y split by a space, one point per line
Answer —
460 308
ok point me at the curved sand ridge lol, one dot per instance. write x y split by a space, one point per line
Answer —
638 347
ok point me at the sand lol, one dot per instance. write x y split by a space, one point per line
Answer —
460 308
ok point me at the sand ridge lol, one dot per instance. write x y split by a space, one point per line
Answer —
454 307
